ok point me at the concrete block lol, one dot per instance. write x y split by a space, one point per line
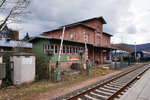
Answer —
23 68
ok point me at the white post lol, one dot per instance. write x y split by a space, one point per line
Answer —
61 43
86 49
135 50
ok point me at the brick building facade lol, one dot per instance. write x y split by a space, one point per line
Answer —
100 49
98 42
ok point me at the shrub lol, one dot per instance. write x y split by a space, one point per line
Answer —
6 60
42 69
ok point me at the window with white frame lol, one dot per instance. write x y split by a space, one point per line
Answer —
55 48
69 50
71 36
45 48
63 50
75 50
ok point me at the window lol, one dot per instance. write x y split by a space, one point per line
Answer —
52 46
63 50
71 36
106 42
99 40
98 29
80 49
45 47
75 50
69 49
55 48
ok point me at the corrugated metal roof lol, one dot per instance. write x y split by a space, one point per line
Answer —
5 43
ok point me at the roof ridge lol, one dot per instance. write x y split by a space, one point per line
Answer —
80 22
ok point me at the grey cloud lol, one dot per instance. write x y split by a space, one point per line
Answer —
50 14
68 11
131 29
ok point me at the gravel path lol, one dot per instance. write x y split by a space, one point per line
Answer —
67 89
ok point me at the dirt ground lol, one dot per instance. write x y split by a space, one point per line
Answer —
67 89
46 90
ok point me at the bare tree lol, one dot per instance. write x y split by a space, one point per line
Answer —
12 11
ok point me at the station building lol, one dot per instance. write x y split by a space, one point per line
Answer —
98 42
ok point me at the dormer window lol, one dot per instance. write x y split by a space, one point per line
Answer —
98 29
71 36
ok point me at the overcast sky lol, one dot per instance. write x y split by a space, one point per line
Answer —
127 20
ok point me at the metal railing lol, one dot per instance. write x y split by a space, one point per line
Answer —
121 64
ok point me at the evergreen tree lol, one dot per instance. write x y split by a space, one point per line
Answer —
26 37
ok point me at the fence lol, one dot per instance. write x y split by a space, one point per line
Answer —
122 64
144 59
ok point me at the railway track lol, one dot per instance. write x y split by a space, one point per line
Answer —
107 89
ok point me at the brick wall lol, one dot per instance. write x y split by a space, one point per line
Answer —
96 23
106 38
67 64
77 32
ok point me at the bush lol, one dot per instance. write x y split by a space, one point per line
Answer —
42 69
6 60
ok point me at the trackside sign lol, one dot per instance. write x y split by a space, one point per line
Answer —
74 57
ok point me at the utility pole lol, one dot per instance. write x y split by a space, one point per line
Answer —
135 50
